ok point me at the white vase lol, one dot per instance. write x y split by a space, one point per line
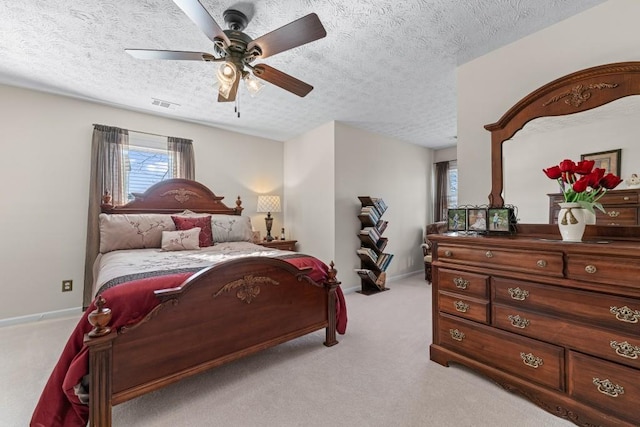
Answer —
589 217
571 222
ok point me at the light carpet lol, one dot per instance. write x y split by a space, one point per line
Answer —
379 375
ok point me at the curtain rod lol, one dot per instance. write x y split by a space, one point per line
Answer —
137 131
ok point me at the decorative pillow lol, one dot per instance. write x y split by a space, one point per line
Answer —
182 240
231 228
135 231
189 222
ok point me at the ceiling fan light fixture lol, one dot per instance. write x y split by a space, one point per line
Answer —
253 85
226 74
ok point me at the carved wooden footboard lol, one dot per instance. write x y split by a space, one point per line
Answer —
218 315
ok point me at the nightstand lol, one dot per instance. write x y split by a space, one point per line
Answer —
285 245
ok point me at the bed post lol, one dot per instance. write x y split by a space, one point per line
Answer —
99 340
331 284
100 382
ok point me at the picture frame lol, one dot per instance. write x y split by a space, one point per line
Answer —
500 220
456 219
607 160
477 220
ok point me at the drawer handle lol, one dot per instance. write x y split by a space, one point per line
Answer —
626 198
460 283
456 334
518 322
541 263
461 306
489 254
518 294
613 214
590 269
625 314
608 388
531 360
447 253
625 349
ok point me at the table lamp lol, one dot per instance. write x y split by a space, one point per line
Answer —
268 204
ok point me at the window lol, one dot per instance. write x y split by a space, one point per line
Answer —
452 185
147 162
445 188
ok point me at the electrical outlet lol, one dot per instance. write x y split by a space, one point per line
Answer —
67 285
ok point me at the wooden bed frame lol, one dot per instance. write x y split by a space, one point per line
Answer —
208 320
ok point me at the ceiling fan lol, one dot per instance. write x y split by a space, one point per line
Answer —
236 50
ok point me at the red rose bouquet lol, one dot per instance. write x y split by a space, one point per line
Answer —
582 183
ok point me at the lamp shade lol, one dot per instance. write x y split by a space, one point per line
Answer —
268 203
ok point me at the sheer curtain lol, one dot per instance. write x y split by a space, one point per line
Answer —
440 204
108 147
181 157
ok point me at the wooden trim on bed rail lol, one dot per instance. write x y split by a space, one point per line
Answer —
173 196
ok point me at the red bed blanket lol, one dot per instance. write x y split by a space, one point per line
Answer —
59 404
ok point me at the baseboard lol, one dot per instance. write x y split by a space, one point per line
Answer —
37 317
351 289
402 276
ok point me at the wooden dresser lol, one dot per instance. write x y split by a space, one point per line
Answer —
621 207
557 322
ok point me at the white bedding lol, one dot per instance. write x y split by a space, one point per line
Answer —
133 261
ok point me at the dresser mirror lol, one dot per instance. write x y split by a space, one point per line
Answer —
589 111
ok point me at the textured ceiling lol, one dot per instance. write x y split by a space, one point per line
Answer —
386 66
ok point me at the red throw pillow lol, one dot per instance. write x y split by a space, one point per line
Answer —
204 222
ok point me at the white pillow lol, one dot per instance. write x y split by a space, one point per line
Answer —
181 240
187 212
135 231
231 228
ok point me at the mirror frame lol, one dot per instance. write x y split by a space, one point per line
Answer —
580 91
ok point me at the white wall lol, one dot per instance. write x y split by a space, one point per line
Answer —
369 164
326 170
309 173
488 86
44 170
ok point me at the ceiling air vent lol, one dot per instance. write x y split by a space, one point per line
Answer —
164 104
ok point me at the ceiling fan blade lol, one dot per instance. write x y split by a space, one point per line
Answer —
283 80
199 15
232 93
170 54
294 34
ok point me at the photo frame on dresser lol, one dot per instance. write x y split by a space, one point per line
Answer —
477 220
456 220
501 220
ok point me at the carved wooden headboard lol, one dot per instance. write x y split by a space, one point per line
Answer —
173 196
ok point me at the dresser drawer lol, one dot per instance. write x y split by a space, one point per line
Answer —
615 346
617 216
603 269
613 388
537 262
599 309
463 283
468 307
524 357
619 198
